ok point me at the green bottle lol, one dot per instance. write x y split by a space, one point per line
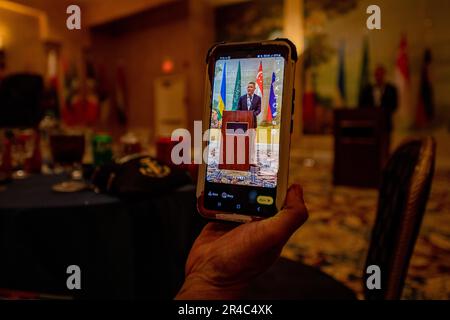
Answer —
102 149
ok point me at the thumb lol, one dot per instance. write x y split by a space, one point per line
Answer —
280 227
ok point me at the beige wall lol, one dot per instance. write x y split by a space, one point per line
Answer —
101 11
23 47
26 42
202 35
184 40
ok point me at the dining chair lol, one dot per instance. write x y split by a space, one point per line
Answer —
403 195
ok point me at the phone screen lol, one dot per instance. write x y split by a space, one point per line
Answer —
244 135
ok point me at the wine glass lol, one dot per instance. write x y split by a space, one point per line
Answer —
21 150
68 151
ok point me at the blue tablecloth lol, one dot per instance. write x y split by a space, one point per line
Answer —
125 249
36 192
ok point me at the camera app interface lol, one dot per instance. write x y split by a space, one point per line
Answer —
243 152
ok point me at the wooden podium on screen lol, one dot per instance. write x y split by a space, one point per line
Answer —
238 122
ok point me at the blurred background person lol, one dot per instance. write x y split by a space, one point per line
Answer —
381 94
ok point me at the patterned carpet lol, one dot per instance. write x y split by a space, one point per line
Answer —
336 237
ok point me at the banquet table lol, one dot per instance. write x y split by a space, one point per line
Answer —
124 248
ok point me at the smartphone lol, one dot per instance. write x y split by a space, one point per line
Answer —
247 125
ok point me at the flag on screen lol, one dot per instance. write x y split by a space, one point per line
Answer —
223 92
259 82
272 108
237 88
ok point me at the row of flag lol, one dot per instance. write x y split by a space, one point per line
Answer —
81 108
259 90
423 112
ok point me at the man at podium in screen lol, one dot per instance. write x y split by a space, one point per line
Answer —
250 102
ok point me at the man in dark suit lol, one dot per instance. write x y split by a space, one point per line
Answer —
380 95
250 101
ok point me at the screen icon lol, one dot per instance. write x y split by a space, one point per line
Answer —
265 200
252 196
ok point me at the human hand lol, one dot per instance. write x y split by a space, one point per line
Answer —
226 257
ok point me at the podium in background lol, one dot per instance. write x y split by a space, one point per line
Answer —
235 120
361 146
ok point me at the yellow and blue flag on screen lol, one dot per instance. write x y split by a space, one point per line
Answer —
223 92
